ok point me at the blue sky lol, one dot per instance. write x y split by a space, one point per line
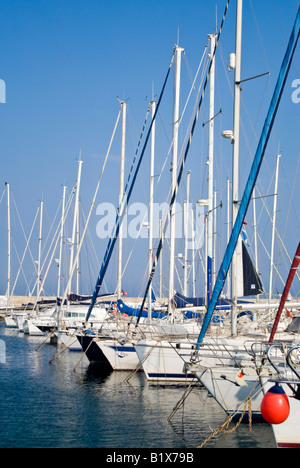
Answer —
65 63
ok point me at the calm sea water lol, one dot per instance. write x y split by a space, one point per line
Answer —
49 405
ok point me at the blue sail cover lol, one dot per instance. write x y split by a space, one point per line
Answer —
132 312
182 301
186 314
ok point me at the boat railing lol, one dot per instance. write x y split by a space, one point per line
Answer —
293 360
223 353
288 370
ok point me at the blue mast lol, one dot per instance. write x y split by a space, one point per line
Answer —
126 198
282 77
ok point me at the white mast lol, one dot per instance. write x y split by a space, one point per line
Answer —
273 228
151 192
255 229
61 240
8 244
160 264
211 169
235 164
40 250
228 232
77 245
214 238
76 211
121 192
88 218
179 51
186 231
193 250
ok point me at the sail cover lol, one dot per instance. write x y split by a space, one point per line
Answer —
294 327
181 301
248 281
252 283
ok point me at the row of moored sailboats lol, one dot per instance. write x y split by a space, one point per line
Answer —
235 350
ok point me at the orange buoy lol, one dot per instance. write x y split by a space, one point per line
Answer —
275 406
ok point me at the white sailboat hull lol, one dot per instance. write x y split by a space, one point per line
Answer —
163 360
31 329
10 322
20 322
69 340
287 434
120 357
171 360
232 391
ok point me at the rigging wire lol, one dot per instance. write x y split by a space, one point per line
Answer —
22 260
265 135
180 173
55 246
125 199
287 217
166 212
2 195
89 214
22 227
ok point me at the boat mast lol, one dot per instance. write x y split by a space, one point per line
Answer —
87 223
179 51
161 275
61 240
255 168
121 192
8 243
210 213
193 250
76 213
228 232
235 164
127 193
186 230
77 245
180 172
40 249
255 229
151 193
215 237
273 229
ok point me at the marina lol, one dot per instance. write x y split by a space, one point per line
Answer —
50 405
188 333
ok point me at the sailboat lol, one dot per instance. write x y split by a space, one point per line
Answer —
212 350
234 382
90 343
165 360
171 330
120 351
254 379
286 429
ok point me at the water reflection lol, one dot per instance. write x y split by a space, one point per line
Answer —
74 403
